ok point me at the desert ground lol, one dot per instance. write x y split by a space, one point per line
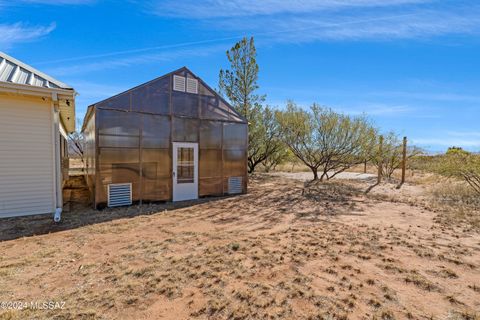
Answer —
287 249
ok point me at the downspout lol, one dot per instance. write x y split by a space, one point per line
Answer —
57 216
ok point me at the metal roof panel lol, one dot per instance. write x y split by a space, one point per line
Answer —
15 71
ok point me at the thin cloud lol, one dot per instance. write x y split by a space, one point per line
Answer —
312 20
94 91
240 8
47 2
385 110
195 43
140 50
367 109
378 110
429 96
369 26
313 27
468 143
472 134
91 92
20 32
125 62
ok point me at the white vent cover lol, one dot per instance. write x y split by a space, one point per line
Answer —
192 85
178 83
119 194
235 185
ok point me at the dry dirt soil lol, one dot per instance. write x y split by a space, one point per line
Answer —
285 250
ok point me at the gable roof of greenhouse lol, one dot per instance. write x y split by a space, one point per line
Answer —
182 69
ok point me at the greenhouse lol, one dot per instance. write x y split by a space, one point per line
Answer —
170 139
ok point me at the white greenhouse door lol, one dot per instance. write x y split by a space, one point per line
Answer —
185 171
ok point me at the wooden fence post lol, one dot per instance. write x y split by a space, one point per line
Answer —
380 160
404 159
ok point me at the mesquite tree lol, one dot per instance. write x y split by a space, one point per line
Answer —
462 165
391 157
281 156
297 131
265 144
325 140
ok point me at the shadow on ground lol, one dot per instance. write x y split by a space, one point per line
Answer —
269 202
78 212
272 201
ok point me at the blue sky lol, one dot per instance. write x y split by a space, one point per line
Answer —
412 65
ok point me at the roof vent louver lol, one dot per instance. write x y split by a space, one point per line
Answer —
192 85
119 194
235 185
178 83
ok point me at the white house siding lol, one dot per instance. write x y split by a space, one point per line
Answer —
26 156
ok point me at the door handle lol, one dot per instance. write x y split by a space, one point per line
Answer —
174 173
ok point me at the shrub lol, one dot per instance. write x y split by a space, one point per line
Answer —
324 139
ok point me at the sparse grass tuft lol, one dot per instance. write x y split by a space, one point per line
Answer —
234 246
421 282
456 203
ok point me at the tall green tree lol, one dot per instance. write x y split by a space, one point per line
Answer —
239 84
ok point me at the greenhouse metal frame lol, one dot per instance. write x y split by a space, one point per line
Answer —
172 138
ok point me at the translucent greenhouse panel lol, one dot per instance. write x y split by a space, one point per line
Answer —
118 122
157 190
185 104
209 109
153 97
234 136
149 171
234 163
125 172
156 131
232 115
210 134
203 90
210 163
100 193
157 163
182 73
121 102
89 135
185 130
210 187
189 75
118 165
156 178
114 141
